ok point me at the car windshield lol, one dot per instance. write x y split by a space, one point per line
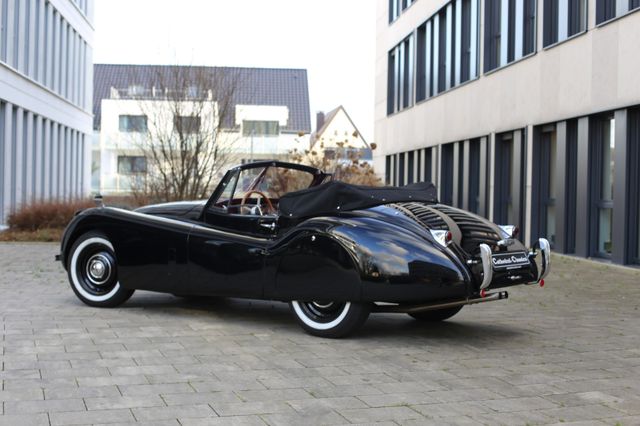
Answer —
262 187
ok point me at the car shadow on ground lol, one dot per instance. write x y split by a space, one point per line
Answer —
276 315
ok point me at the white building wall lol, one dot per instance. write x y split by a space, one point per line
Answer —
45 100
109 142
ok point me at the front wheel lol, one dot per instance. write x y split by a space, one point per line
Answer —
436 315
93 272
330 319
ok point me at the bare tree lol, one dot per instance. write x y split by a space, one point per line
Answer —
344 162
185 137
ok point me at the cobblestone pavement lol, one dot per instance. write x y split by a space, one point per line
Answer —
566 354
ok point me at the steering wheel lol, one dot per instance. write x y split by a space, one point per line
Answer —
253 191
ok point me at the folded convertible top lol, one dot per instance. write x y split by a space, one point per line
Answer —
334 197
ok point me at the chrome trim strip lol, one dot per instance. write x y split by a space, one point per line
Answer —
490 297
487 267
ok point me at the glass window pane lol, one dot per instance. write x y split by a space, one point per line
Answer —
551 224
552 166
605 216
608 145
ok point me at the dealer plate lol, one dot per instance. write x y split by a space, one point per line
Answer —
511 260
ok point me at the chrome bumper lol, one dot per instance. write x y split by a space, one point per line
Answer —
487 264
545 249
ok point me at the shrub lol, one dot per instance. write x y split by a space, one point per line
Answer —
45 215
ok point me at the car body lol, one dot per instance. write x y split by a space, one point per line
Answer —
288 232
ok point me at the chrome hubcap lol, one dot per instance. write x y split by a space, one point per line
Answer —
98 269
322 305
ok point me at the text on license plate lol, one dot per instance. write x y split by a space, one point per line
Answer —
510 260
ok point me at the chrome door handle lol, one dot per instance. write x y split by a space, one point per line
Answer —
271 226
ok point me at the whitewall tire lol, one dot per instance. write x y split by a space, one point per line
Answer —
93 272
330 319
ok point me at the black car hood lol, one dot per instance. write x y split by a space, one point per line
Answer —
183 209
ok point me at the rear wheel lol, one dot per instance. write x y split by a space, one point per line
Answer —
330 319
436 315
93 272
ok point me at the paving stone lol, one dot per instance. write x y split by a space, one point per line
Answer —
24 420
44 406
91 417
173 412
363 415
115 402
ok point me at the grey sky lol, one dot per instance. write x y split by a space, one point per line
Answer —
333 39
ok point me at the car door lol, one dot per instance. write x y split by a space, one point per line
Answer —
227 255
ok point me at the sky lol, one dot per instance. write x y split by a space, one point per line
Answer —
333 39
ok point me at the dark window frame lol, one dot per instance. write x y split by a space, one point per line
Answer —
605 11
473 200
596 150
187 124
633 178
446 174
137 164
133 123
411 159
492 35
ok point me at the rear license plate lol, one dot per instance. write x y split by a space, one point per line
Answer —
511 260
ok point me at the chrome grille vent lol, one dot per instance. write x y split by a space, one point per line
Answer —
424 214
473 230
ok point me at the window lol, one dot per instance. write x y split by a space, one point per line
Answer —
133 123
545 182
474 176
428 165
634 4
130 165
410 175
260 128
387 170
400 169
446 176
396 7
634 183
563 19
571 186
447 48
186 124
508 181
602 168
510 31
400 76
605 10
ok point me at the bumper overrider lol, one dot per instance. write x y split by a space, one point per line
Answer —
542 246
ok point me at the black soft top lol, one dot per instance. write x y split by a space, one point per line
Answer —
335 197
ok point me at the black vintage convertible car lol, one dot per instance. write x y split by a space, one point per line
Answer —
335 252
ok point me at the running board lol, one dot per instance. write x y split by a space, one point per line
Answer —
407 309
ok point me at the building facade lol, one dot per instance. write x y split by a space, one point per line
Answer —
45 100
267 114
524 111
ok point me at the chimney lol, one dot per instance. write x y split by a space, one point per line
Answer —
319 120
